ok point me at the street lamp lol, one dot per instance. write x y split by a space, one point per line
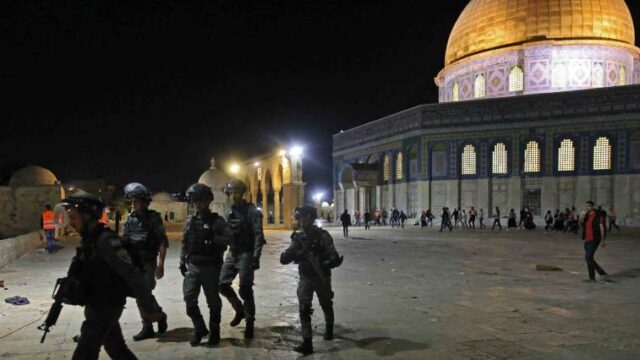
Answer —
296 151
234 169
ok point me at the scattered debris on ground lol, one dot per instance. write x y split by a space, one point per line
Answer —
17 300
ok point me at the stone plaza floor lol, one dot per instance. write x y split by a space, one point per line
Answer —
400 294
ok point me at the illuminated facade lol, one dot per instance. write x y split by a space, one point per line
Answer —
508 48
490 142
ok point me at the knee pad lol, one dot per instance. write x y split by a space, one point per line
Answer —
246 291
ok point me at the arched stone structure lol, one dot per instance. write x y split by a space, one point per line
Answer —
274 184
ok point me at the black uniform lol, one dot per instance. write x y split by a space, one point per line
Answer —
202 251
146 231
315 255
243 258
110 276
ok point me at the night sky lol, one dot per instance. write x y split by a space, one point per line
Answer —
149 90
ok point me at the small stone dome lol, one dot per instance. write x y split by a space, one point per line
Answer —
33 176
213 177
162 197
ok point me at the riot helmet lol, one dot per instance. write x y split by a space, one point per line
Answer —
199 192
234 185
136 190
86 204
305 211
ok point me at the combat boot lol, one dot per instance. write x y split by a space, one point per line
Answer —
162 325
237 319
306 347
328 332
146 332
248 331
214 336
200 330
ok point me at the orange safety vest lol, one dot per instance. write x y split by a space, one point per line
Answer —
104 218
47 220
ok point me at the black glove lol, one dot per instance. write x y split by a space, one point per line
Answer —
183 268
255 264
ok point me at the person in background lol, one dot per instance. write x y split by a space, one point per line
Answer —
345 219
47 224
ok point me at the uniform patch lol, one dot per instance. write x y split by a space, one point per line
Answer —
123 255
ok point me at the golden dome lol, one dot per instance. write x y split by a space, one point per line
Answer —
493 24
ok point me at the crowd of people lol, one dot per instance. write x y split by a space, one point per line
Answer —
566 221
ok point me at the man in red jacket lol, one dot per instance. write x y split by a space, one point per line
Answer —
593 234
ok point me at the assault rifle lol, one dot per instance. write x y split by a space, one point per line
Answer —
55 310
303 242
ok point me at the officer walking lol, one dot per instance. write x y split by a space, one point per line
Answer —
107 275
206 236
244 256
144 229
313 250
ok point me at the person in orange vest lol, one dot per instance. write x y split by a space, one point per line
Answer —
104 219
47 224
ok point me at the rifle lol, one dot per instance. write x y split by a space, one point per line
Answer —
55 310
300 238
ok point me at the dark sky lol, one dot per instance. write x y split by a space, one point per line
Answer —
149 90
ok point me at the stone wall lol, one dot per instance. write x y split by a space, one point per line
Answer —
21 208
13 248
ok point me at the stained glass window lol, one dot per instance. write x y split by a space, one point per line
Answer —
516 79
399 168
622 78
559 75
500 159
480 86
566 156
598 75
532 157
386 168
469 160
456 91
602 154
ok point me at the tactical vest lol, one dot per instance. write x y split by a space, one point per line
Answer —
240 221
137 229
104 285
198 237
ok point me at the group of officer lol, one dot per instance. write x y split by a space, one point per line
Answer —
109 268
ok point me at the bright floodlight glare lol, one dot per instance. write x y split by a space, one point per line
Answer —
234 168
296 151
318 196
256 164
282 153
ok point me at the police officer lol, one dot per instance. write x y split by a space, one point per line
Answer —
144 229
109 275
244 256
206 236
313 250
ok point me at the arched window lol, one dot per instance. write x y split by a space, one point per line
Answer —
516 79
566 156
622 78
399 168
456 92
499 159
532 157
386 168
598 75
480 86
602 154
469 160
559 75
